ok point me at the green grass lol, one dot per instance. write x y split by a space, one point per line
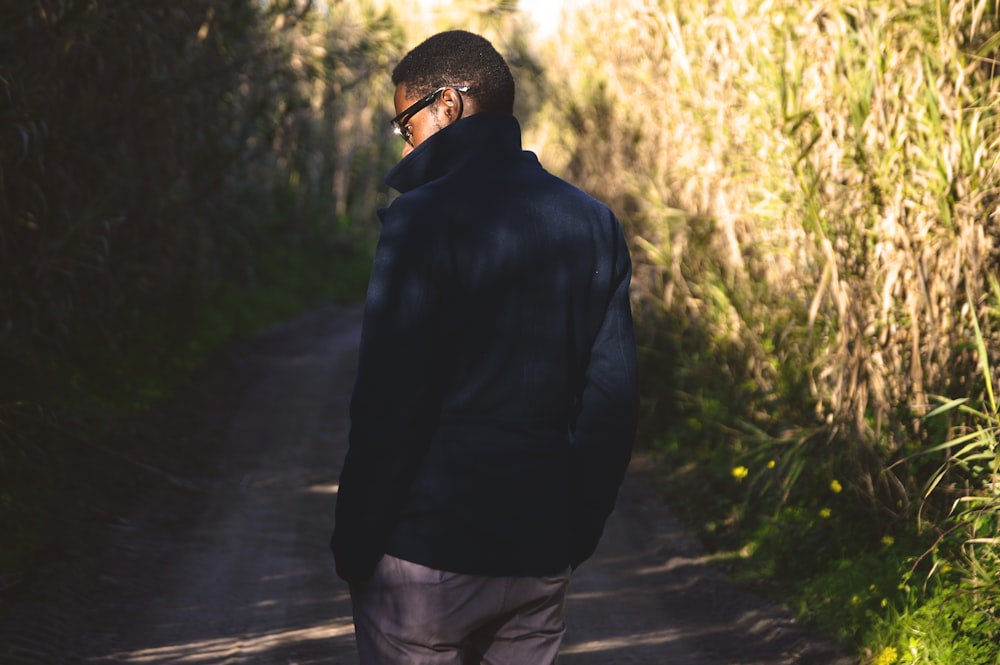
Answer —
824 559
918 587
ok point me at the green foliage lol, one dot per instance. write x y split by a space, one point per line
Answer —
173 174
962 501
875 599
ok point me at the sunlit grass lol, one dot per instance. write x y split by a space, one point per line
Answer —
809 189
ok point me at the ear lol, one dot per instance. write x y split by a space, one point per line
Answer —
453 105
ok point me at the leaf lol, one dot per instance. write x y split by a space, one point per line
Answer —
947 406
984 359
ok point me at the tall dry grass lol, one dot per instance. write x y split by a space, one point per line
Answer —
813 195
810 185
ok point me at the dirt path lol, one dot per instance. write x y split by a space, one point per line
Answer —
224 558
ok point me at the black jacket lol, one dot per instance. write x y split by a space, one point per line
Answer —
494 409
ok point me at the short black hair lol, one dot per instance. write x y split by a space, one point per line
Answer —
458 57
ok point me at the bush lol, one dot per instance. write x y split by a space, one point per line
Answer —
172 174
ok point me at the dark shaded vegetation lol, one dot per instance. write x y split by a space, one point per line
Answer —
171 175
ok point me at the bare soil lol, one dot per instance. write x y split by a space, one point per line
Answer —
198 534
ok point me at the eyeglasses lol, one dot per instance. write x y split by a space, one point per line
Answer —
401 123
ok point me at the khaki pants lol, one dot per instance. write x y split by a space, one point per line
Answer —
414 615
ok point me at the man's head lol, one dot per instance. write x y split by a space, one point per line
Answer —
451 75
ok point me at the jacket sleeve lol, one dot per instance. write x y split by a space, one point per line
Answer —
395 398
605 426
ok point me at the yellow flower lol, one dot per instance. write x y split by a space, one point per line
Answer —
888 656
771 464
885 602
740 472
855 600
825 513
835 486
888 541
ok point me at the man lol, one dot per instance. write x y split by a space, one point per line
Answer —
493 413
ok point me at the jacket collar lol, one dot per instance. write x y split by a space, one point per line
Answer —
477 137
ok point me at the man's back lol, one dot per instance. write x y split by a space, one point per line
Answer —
493 413
501 276
523 268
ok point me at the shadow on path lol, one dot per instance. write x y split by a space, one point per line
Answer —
241 572
229 563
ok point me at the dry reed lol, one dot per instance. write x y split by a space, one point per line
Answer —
812 183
